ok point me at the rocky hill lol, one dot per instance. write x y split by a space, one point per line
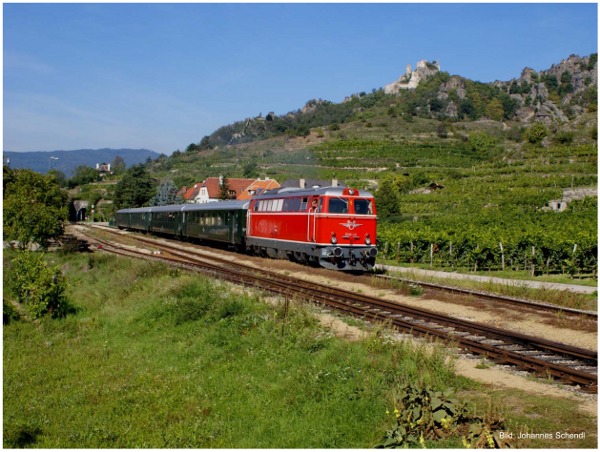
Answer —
557 95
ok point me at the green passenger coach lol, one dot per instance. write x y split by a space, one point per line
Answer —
223 222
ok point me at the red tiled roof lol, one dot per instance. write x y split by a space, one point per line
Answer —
257 187
237 185
192 192
240 186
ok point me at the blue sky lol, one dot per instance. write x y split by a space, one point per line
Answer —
162 76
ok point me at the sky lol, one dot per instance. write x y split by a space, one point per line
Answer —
161 76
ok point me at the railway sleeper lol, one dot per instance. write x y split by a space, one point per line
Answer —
494 342
461 333
531 353
475 338
564 362
513 348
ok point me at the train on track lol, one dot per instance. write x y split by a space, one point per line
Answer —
332 227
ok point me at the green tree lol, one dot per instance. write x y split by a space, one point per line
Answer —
35 208
135 189
83 175
192 147
251 170
224 190
387 198
60 177
494 110
118 165
205 142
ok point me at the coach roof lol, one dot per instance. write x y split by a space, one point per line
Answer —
209 206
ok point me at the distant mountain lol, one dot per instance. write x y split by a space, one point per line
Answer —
67 161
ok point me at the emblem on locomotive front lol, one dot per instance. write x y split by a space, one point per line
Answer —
351 224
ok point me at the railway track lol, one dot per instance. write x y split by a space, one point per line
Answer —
569 364
518 302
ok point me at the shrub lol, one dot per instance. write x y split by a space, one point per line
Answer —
536 133
39 288
564 137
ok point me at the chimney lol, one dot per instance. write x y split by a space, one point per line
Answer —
220 181
334 182
302 183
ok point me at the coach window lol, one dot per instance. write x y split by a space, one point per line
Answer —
338 205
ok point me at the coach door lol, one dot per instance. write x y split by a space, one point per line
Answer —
232 225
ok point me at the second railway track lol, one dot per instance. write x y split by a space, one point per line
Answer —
569 364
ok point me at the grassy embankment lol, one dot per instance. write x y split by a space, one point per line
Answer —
155 357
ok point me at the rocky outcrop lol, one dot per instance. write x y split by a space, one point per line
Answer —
411 79
556 94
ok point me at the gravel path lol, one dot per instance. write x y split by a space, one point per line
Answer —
514 282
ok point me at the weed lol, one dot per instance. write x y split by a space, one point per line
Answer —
483 363
415 290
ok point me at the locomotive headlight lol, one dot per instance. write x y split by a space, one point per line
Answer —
333 238
368 239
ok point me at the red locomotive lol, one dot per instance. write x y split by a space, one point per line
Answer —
334 227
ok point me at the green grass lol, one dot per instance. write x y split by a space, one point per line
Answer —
160 358
567 299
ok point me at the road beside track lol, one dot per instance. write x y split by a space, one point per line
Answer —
484 279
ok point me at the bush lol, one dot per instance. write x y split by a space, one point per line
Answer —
536 133
39 288
564 137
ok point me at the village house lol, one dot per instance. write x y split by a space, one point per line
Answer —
103 169
211 189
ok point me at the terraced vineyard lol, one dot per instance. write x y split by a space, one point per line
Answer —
490 210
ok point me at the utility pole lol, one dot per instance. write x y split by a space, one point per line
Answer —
51 162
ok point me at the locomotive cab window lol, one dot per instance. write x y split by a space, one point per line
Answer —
316 205
363 207
295 205
338 205
303 204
